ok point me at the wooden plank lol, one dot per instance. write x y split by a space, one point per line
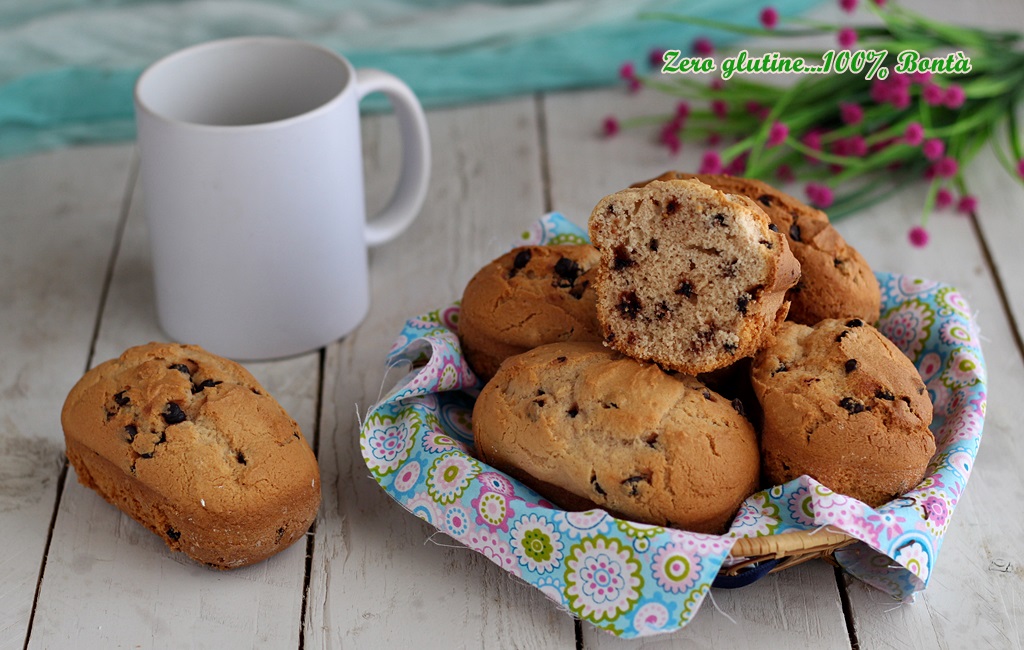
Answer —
978 577
795 605
381 578
59 215
111 583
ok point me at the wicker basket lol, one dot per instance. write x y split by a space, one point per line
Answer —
774 553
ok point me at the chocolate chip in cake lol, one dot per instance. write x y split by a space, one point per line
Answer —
633 484
623 260
203 385
729 347
773 227
738 405
173 414
662 310
672 207
851 365
707 394
742 302
578 290
842 335
782 368
173 534
653 245
884 394
794 232
540 401
798 287
522 258
597 486
130 431
729 268
609 405
573 411
838 262
767 244
561 360
685 289
240 457
651 439
567 269
851 405
856 322
280 534
180 367
121 399
765 200
719 219
629 305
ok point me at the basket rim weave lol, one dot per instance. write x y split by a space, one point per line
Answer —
792 548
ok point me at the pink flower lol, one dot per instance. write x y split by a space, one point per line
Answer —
933 149
671 140
847 37
881 91
954 97
967 204
914 134
610 126
899 97
777 134
719 108
769 17
943 199
820 195
922 77
849 6
656 57
714 139
856 146
717 84
737 166
851 113
813 140
946 167
1020 167
703 47
918 236
682 111
932 94
899 80
785 173
627 72
711 163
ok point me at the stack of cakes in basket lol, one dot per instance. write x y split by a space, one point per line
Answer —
655 374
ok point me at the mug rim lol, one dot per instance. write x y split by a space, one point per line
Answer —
143 106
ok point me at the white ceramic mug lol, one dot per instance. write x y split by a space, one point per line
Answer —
252 174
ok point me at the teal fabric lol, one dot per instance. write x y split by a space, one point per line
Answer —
67 67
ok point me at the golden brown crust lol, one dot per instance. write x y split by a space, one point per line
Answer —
690 277
191 446
836 280
586 427
842 404
530 296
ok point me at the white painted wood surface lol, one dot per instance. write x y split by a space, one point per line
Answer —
378 577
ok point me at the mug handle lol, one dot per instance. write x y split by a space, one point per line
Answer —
411 191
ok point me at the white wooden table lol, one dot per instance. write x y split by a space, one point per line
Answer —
75 289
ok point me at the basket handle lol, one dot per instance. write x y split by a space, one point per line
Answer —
745 577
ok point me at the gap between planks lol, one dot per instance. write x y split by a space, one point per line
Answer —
108 276
997 280
311 534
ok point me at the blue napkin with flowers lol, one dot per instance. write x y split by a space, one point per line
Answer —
67 67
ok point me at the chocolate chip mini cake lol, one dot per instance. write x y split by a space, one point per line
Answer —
530 296
842 404
836 281
193 448
690 277
587 427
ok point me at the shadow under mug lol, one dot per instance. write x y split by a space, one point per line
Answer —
252 177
